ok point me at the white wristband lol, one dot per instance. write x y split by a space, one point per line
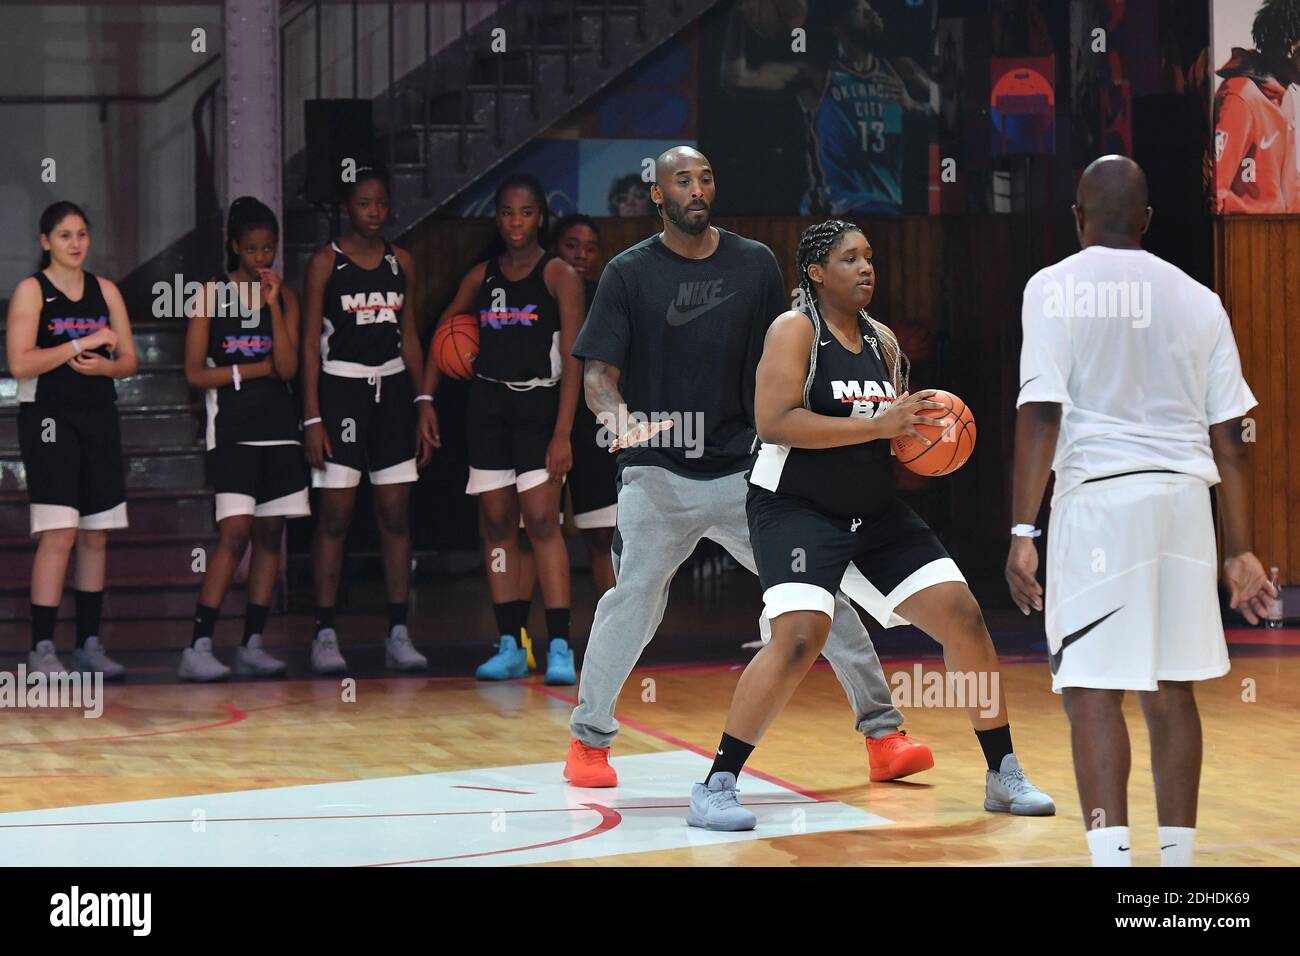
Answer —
311 421
76 347
234 376
1025 531
423 398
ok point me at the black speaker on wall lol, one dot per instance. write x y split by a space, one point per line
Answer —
336 130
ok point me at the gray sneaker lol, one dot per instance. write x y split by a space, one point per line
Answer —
252 661
42 660
198 663
1009 791
91 657
325 656
714 806
400 654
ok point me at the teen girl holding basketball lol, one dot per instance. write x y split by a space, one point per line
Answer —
831 391
361 365
68 339
529 305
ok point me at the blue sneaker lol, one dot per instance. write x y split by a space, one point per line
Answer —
559 663
714 806
508 663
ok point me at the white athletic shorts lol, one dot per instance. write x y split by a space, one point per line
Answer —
1132 586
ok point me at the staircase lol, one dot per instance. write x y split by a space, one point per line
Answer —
466 110
440 127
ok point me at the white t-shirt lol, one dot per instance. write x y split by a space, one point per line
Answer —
1141 358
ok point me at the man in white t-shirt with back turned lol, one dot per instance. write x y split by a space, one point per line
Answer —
1131 391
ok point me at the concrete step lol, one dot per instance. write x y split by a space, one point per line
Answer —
148 426
173 467
150 510
129 598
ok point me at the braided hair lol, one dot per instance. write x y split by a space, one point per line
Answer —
246 214
815 245
1276 29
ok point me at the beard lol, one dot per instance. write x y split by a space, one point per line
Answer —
677 215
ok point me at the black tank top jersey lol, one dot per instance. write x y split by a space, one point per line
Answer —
63 320
362 309
852 480
518 326
260 410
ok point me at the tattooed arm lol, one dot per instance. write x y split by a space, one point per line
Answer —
600 386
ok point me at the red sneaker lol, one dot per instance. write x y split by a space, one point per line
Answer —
897 755
589 766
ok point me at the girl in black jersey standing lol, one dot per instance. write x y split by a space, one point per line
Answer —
68 338
526 386
241 348
831 391
361 366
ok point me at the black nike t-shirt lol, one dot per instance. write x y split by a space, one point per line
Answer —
687 335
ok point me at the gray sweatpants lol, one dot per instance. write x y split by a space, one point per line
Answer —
661 517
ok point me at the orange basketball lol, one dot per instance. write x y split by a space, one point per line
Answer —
952 444
455 346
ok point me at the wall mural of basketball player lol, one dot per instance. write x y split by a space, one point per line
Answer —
855 89
1255 111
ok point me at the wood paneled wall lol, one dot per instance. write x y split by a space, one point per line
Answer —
1257 274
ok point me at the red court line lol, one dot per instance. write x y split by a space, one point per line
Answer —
685 745
492 789
235 715
609 819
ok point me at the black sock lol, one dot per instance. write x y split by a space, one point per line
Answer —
396 614
254 620
324 618
205 621
89 606
730 758
557 623
996 744
507 619
522 610
43 618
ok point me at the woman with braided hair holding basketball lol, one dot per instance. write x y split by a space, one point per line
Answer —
831 391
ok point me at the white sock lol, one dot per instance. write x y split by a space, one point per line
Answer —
1176 845
1110 846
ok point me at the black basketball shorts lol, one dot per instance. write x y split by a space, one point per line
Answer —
371 428
73 458
804 556
593 482
262 480
508 431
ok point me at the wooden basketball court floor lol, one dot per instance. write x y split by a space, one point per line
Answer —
447 771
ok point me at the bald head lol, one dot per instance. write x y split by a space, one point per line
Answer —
678 157
1111 202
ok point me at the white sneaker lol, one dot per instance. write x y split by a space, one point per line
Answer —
91 657
42 660
400 654
714 806
251 660
198 663
1009 791
325 656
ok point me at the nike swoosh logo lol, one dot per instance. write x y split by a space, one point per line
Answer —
1268 141
1071 638
1171 845
343 266
1027 381
676 317
51 298
827 342
1124 849
719 753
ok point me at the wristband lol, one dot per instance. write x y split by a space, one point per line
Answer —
311 421
1025 531
234 376
422 398
76 347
